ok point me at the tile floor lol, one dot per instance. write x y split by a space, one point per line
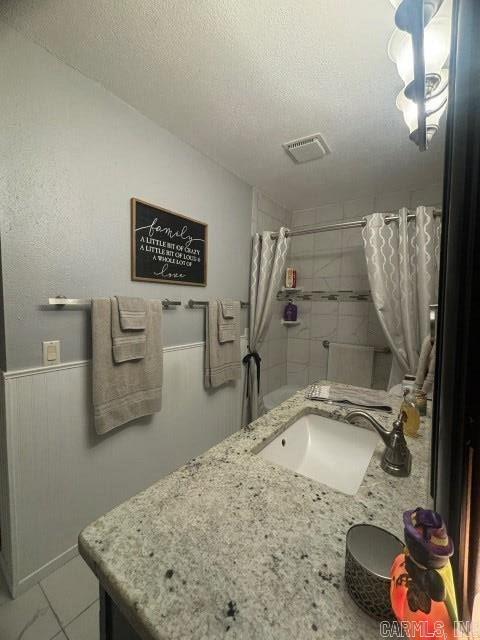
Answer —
63 606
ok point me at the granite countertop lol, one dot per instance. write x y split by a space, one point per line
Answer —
232 546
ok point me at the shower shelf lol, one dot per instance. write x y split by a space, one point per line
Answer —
338 295
290 323
291 290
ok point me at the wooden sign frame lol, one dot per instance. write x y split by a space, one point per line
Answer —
167 237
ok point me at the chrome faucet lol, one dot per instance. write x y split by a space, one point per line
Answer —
396 459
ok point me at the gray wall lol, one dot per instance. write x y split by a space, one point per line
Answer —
72 156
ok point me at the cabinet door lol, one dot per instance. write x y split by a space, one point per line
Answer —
113 625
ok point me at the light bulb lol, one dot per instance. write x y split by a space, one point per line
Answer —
438 104
439 109
409 110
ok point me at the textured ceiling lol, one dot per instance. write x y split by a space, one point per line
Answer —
237 78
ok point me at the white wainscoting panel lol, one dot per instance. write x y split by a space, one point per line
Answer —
6 475
63 476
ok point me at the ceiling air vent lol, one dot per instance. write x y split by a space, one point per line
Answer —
305 149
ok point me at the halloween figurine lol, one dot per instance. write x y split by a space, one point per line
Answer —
422 589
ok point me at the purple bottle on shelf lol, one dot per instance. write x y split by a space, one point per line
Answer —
290 312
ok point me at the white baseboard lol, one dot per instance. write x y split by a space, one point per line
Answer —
7 575
29 581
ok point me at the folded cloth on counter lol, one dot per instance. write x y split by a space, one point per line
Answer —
126 345
131 389
132 313
423 362
222 360
350 364
342 394
228 320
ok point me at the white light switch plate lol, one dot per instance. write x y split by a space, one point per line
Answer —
51 352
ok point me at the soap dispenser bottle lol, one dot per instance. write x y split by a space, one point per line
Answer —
409 407
290 312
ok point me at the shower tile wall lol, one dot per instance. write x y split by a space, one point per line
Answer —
269 216
335 260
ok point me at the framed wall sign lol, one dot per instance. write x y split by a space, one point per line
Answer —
167 247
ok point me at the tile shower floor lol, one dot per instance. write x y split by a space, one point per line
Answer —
64 606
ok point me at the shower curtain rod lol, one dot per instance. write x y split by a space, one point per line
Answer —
352 224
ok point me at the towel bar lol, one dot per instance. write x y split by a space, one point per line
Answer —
193 304
61 301
326 344
166 304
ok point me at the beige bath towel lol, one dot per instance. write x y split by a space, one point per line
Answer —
222 360
126 345
423 362
132 313
128 390
350 364
430 377
229 313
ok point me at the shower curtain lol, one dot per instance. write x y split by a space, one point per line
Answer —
267 267
402 263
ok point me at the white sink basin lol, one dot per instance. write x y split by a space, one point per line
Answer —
332 452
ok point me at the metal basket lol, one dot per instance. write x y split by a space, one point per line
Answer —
368 578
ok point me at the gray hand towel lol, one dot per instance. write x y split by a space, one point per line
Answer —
346 394
126 345
228 325
123 392
132 313
222 360
227 307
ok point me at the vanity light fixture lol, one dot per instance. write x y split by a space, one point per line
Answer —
420 46
435 105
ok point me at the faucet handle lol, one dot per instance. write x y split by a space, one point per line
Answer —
400 421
